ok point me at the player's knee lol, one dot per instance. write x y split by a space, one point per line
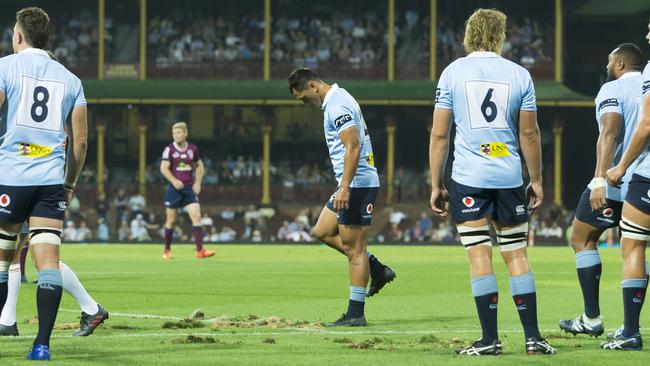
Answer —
513 238
634 231
471 236
45 235
8 245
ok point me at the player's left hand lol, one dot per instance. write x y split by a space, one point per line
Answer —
196 188
342 198
614 176
597 198
535 195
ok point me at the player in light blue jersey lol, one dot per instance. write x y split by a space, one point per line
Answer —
635 225
599 208
40 101
491 102
344 222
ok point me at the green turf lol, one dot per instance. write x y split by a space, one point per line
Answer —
418 319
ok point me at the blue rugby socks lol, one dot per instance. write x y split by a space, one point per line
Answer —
633 298
589 269
48 298
486 297
523 292
357 302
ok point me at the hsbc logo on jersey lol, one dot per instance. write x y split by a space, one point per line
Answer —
646 87
611 102
5 200
341 120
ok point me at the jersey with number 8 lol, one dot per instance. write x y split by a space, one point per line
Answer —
486 93
40 95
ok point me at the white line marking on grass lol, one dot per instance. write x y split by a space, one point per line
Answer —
143 316
290 333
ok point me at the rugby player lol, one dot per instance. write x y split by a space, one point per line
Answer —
40 99
92 314
635 225
491 101
344 222
179 160
599 208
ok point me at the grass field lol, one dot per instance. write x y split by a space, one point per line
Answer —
418 319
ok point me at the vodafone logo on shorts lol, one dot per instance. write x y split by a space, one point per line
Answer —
370 208
468 202
608 212
5 200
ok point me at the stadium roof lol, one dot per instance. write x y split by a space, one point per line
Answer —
549 93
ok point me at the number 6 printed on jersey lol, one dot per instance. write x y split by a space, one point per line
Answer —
487 104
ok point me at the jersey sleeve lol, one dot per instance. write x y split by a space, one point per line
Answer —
80 98
608 100
645 89
528 100
341 116
444 98
165 154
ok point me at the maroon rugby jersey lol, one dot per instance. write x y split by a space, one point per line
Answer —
182 162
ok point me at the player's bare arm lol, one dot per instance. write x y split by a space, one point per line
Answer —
76 154
167 173
637 146
610 128
529 139
350 140
438 151
198 178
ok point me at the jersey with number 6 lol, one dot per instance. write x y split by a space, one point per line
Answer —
486 93
40 94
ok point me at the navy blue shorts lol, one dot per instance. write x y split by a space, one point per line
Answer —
606 218
504 206
17 204
638 193
360 207
175 198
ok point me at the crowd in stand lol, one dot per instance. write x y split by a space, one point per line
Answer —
528 41
199 39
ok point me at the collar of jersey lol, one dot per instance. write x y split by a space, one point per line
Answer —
630 74
187 146
482 54
329 95
37 51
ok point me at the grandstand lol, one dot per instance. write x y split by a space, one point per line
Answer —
222 66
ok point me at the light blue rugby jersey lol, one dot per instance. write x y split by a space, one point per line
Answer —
40 95
486 93
621 96
643 162
341 111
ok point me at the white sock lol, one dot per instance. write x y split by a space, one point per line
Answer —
8 316
72 285
592 321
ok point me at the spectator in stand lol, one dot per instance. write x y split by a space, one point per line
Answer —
227 234
396 216
153 225
102 231
284 231
395 233
206 222
124 232
70 231
121 201
84 234
425 227
228 214
101 206
137 204
139 229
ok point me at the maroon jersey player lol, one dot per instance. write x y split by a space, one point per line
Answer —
182 167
